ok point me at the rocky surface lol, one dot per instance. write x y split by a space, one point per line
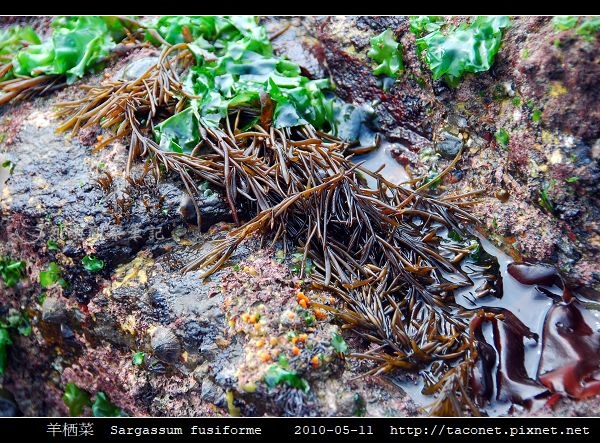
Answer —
209 344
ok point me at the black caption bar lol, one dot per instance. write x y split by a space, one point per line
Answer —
299 429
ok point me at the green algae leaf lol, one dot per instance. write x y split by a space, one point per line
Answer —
178 133
20 322
12 40
115 26
7 163
138 358
453 235
545 201
386 51
50 276
311 102
309 319
92 263
76 399
24 328
286 115
277 375
35 60
78 45
238 31
5 342
467 48
174 29
589 28
102 407
283 361
299 105
338 343
421 24
433 180
502 137
564 22
11 271
235 66
296 260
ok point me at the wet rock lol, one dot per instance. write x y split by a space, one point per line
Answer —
8 405
193 334
212 206
355 123
184 297
582 154
72 251
345 41
159 302
199 337
226 378
354 80
458 121
55 186
295 38
81 285
188 210
568 211
211 392
67 333
165 345
106 329
145 394
138 67
449 146
54 310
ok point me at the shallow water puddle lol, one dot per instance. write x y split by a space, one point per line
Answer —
355 123
382 156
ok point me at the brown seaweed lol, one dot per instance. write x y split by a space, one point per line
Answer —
511 379
535 274
24 88
570 361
